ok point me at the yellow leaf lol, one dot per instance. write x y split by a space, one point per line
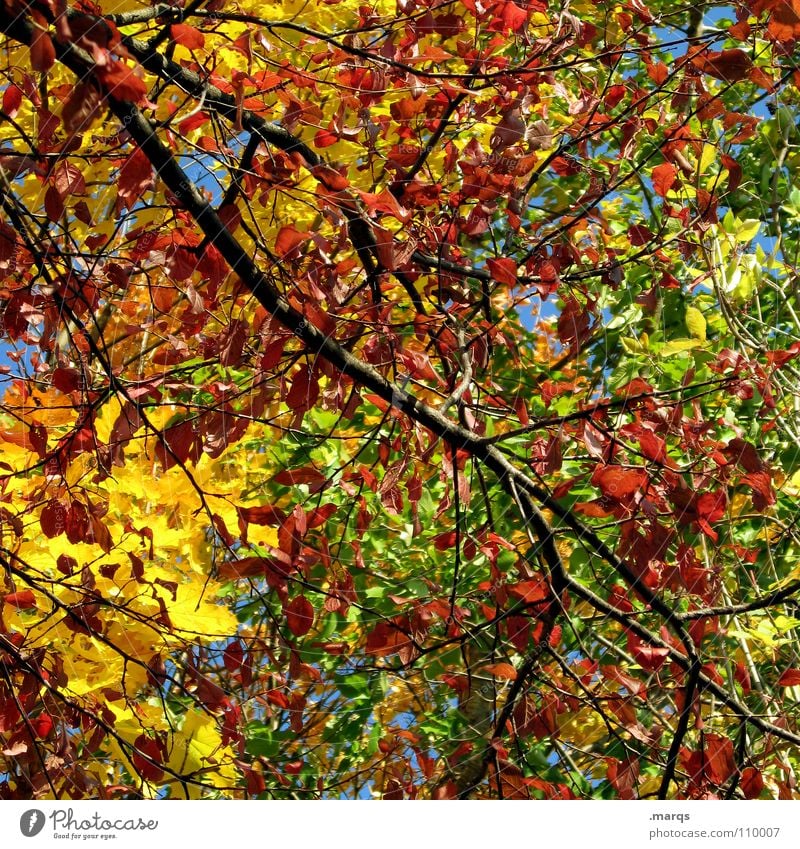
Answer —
747 229
708 156
197 752
677 346
696 323
635 346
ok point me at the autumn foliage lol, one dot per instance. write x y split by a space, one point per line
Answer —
399 399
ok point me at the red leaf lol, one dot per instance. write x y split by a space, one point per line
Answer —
145 752
247 567
273 352
503 270
319 515
24 599
751 782
648 657
325 138
277 698
230 216
121 82
192 122
639 235
631 684
653 447
790 678
12 100
624 776
445 541
741 675
53 204
513 16
384 202
663 178
730 66
719 754
389 637
707 206
761 484
68 179
179 443
43 54
614 95
299 615
42 725
189 37
332 648
233 655
780 358
134 178
710 507
264 514
784 23
574 322
53 519
734 171
565 166
304 391
658 73
306 474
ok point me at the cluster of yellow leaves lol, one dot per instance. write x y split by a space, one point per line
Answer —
146 598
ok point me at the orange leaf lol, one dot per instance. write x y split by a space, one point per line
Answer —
658 73
501 670
189 37
784 23
330 178
619 484
288 239
663 178
503 270
530 591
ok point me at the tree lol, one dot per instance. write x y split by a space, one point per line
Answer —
400 399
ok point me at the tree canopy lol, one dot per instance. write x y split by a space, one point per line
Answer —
399 399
